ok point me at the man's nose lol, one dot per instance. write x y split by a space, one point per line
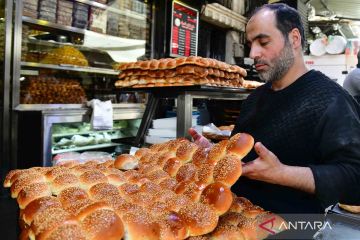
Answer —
254 52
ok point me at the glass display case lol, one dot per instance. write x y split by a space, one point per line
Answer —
68 51
69 137
65 53
67 129
5 83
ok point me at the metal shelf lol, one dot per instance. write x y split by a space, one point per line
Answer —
70 68
127 13
60 44
84 133
105 145
52 25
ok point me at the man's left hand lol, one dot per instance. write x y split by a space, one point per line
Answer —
266 167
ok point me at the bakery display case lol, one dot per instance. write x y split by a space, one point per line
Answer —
65 53
67 129
68 137
64 49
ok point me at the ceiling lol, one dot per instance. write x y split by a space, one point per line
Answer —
344 9
335 17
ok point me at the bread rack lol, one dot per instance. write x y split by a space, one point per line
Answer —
184 96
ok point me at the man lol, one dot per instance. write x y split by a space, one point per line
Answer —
352 81
306 127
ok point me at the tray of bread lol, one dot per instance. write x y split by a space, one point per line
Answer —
173 190
183 71
212 132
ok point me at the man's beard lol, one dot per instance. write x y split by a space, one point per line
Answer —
278 66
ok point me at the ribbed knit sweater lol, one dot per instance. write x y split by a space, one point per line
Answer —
312 123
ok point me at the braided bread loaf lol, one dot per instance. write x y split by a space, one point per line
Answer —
183 71
178 190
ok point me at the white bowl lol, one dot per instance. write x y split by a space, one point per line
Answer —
317 48
336 45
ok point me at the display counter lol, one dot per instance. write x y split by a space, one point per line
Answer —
66 128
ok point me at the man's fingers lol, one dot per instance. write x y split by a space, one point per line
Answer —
261 150
194 134
199 139
247 167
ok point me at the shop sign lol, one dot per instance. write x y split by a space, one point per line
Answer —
184 30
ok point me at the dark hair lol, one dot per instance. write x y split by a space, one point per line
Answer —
287 18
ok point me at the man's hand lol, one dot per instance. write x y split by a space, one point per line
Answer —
268 168
264 168
199 139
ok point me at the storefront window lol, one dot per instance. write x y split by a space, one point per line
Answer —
71 50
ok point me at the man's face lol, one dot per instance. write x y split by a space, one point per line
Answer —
273 56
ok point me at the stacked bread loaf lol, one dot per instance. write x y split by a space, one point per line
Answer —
177 191
184 71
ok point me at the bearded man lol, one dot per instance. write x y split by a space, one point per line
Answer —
306 127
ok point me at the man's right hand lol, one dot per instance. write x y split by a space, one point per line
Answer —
199 139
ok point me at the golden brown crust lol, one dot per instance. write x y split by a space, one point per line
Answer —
217 152
101 191
205 173
149 188
172 166
126 162
218 196
193 190
185 151
7 181
25 180
172 226
75 207
64 181
32 192
140 225
184 71
142 152
199 218
240 144
225 232
47 219
39 205
71 195
162 159
69 229
187 172
228 170
200 157
53 173
168 183
157 176
128 189
350 208
177 201
103 224
90 178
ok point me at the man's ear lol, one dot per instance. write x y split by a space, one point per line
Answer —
295 38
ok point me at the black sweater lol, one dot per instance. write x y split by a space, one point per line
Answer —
312 123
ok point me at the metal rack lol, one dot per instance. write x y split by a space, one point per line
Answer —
126 13
184 96
70 68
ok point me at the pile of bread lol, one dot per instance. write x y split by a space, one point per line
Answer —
183 71
45 89
174 190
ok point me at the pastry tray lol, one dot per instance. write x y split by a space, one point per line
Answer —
343 214
194 88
